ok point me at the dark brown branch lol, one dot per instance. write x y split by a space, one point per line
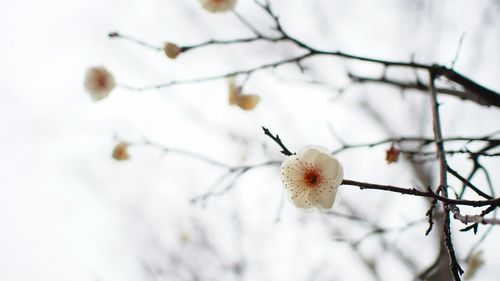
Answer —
472 90
277 139
468 183
428 194
485 95
448 152
455 268
421 140
403 85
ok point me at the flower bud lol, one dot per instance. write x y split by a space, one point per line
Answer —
475 263
218 6
171 50
248 102
120 152
233 90
392 155
99 82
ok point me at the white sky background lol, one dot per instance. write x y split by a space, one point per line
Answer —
70 212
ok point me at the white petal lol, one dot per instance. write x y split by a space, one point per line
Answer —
340 176
308 153
324 197
301 198
333 174
329 165
291 169
320 148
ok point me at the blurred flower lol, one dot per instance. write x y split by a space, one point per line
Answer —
185 238
171 50
312 177
235 97
120 152
475 263
392 155
233 90
217 6
248 102
99 82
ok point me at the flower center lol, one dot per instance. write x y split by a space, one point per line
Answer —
312 178
102 80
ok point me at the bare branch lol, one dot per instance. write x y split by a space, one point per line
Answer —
443 183
419 193
220 76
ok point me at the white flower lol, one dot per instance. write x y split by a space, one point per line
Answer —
99 82
312 177
218 6
475 263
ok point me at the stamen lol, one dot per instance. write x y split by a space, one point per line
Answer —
312 178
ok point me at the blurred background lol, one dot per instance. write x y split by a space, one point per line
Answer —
69 211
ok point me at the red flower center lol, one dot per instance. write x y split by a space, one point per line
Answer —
102 80
312 178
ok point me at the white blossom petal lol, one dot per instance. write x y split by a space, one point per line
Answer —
301 199
329 165
310 152
324 197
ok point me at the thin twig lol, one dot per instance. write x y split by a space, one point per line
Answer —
134 40
419 193
220 76
457 53
468 183
277 139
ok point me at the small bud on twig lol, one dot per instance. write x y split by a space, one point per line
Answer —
171 50
392 155
120 152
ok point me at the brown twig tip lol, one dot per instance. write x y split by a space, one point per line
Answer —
113 34
277 139
430 214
